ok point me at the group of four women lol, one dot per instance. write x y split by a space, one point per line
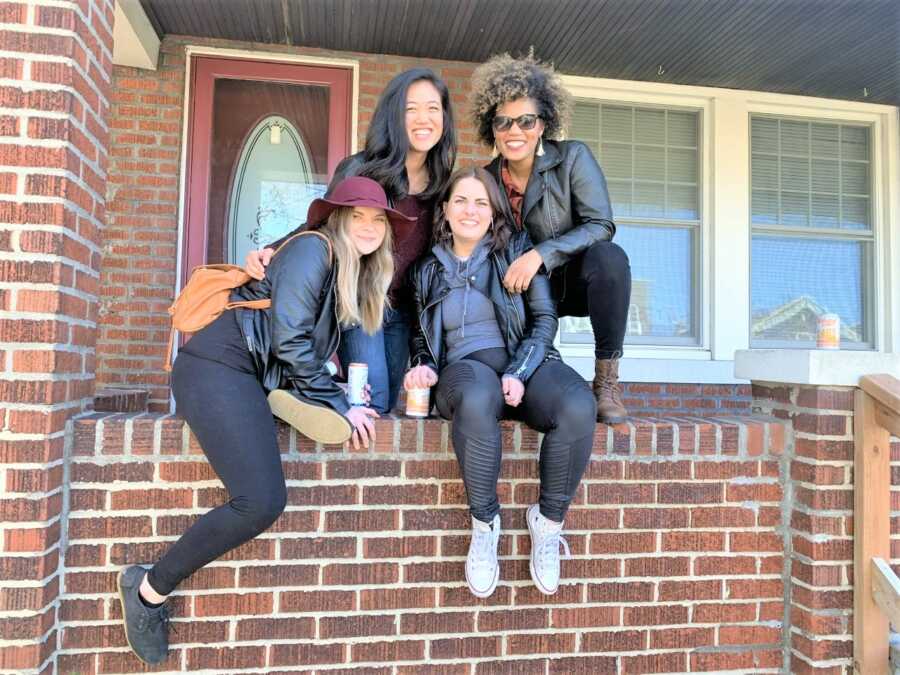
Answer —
433 279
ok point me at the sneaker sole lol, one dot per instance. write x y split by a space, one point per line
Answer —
611 420
490 590
125 628
318 423
534 577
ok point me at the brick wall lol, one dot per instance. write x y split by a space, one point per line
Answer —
676 533
54 97
821 521
139 252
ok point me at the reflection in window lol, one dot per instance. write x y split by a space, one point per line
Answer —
651 160
812 230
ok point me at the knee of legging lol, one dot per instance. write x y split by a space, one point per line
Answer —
262 509
577 412
478 401
605 260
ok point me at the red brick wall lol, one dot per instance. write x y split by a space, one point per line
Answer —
139 253
676 535
53 160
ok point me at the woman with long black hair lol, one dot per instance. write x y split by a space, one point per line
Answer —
490 354
410 150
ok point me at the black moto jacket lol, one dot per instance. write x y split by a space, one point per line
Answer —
291 341
528 321
566 206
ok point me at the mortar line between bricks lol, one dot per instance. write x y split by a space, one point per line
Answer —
787 505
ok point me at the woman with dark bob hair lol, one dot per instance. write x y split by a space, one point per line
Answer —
556 191
490 353
410 150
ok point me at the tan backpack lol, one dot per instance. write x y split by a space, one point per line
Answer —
206 295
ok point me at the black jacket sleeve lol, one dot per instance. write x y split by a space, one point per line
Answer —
592 218
420 354
298 274
541 320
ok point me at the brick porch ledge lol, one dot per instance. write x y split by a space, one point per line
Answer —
677 535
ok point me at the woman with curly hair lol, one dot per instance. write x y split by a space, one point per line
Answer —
556 191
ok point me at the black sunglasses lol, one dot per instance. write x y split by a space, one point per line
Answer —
525 122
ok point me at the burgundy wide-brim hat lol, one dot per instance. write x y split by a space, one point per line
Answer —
354 191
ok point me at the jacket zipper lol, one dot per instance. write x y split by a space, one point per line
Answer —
521 369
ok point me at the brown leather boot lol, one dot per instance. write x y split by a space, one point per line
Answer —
610 409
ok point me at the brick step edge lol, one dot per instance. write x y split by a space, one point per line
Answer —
121 400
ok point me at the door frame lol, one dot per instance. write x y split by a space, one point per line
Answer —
194 185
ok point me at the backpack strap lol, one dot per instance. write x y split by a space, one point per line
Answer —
316 233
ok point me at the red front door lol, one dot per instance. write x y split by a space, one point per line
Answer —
263 140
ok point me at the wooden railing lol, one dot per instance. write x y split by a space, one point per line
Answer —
876 589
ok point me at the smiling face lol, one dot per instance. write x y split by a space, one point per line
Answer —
468 211
516 144
367 228
424 116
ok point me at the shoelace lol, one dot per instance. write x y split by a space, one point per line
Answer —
549 548
164 618
482 546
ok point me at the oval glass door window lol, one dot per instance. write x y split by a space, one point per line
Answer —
272 187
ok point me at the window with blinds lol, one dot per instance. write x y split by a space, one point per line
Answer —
812 234
651 159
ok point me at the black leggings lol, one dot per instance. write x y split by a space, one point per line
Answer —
557 402
227 410
597 283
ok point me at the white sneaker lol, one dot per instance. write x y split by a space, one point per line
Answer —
546 536
482 566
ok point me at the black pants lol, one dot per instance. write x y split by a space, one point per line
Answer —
597 283
226 408
557 402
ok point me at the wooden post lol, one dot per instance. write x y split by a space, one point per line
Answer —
872 535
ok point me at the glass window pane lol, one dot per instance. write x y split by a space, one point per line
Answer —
616 123
855 214
794 174
650 126
855 143
765 172
683 202
682 128
649 200
794 138
826 210
855 178
586 122
765 207
824 138
794 209
615 159
650 162
794 280
825 175
764 134
661 271
620 196
682 165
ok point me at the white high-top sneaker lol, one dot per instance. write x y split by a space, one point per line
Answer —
546 536
482 566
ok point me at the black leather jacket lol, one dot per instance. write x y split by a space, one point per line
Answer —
566 207
292 340
528 322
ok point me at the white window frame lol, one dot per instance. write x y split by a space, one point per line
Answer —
724 268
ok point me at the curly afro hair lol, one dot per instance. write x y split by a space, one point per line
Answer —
502 79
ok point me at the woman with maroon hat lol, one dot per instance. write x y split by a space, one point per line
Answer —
228 374
410 150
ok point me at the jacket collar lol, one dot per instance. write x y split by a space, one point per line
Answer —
551 158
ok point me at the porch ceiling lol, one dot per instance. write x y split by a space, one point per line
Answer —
829 48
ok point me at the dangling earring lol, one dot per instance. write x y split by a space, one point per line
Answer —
540 148
494 151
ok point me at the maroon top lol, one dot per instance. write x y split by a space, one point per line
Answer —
512 193
411 240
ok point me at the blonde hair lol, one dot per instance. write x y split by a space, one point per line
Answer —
362 281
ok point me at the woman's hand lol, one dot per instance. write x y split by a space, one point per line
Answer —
256 262
420 377
513 390
363 427
522 271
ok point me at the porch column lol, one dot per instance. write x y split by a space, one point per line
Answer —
814 390
53 155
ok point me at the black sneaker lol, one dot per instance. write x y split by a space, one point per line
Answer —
146 628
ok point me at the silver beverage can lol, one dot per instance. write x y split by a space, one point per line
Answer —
357 378
417 402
